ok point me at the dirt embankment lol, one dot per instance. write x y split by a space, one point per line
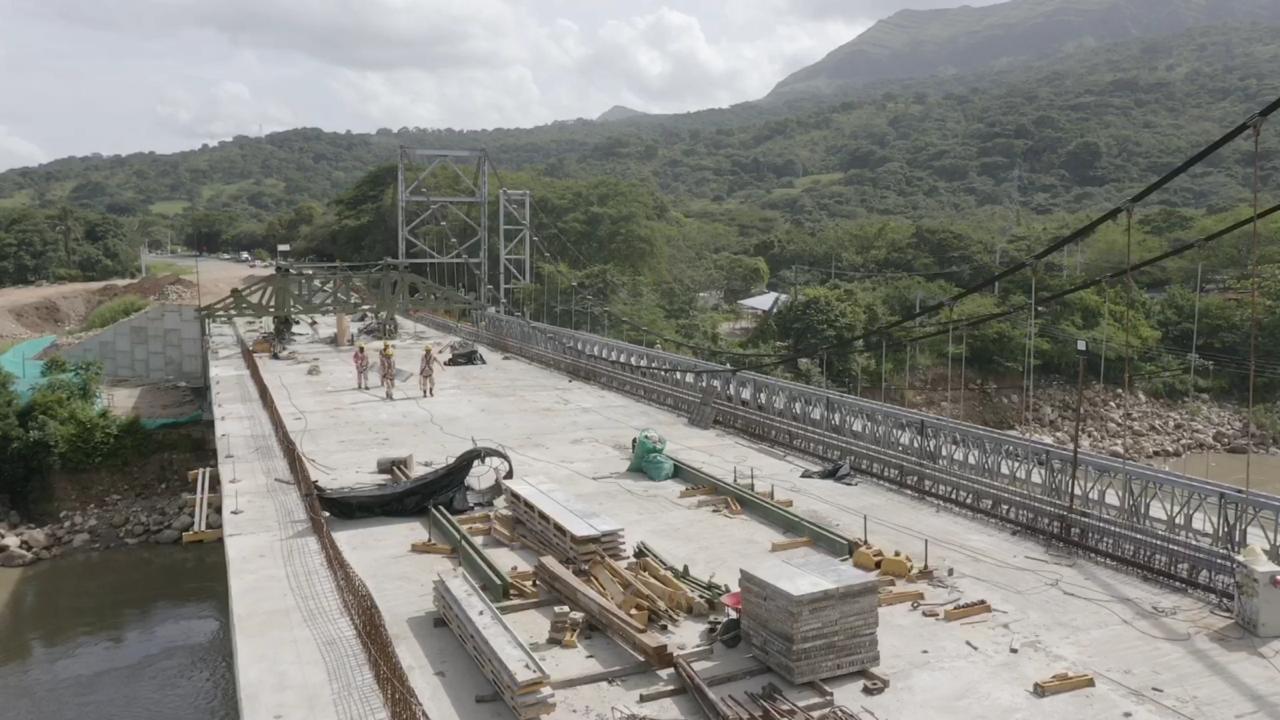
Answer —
34 310
64 312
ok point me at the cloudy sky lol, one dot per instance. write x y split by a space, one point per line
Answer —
84 76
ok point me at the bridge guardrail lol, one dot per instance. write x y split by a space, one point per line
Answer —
1188 528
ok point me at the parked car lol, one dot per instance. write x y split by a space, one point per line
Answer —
224 256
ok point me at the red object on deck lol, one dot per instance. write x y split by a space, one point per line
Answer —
732 600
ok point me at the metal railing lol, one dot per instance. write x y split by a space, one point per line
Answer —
393 684
1177 527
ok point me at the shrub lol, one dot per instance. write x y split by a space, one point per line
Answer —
114 311
54 365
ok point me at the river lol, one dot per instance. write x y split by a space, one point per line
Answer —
1264 476
138 634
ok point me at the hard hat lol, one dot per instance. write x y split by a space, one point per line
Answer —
426 348
361 346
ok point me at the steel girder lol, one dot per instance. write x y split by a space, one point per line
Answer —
1176 526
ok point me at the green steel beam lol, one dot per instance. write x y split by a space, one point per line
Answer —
486 573
824 537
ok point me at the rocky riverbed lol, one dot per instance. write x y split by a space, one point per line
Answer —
1146 428
114 522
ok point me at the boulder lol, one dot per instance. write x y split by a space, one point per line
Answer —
182 523
137 530
81 539
15 557
213 521
166 537
119 520
10 542
1238 448
36 539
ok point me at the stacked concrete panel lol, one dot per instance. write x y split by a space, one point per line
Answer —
809 616
559 525
506 661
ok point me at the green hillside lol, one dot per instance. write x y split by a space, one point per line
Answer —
922 43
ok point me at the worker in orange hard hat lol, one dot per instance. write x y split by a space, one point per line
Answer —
427 371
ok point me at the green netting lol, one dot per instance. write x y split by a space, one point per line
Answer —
20 362
159 423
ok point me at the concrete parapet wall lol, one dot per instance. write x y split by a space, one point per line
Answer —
161 343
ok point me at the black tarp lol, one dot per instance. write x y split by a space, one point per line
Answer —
439 487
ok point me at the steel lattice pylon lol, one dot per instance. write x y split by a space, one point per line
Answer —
442 203
515 235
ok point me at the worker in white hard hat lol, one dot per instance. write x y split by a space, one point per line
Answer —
361 360
427 371
387 367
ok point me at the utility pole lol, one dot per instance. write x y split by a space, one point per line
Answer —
573 307
1082 352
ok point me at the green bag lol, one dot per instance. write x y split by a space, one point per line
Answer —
645 444
658 467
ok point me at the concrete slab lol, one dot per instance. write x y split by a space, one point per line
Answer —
1156 652
296 654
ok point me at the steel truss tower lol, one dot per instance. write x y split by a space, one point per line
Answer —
443 217
515 235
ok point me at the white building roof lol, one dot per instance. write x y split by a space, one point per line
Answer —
765 302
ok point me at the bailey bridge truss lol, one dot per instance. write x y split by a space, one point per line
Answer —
383 289
1178 528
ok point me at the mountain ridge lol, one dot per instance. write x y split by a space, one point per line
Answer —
913 44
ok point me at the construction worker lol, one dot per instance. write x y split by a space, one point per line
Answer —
387 367
361 360
427 371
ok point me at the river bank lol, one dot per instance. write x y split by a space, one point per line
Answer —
143 635
148 502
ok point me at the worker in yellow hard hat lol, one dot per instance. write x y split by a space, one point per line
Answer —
361 360
427 371
387 367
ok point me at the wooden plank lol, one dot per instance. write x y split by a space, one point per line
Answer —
621 627
960 613
783 545
511 606
601 675
696 491
900 596
473 518
429 547
1061 683
201 536
567 511
500 642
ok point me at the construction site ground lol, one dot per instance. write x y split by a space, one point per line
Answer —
1155 652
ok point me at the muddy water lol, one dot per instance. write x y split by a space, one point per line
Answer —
141 634
1264 475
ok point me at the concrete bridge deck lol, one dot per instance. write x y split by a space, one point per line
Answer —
1157 653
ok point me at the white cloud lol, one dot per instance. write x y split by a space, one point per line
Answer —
162 74
17 152
225 109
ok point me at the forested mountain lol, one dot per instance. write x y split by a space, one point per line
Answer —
1050 136
923 43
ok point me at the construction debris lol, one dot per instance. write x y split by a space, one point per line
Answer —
810 616
516 674
708 591
891 597
620 625
781 545
1061 683
557 524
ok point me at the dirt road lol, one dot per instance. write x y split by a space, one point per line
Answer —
30 311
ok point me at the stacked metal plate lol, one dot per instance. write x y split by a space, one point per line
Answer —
810 616
559 524
506 661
